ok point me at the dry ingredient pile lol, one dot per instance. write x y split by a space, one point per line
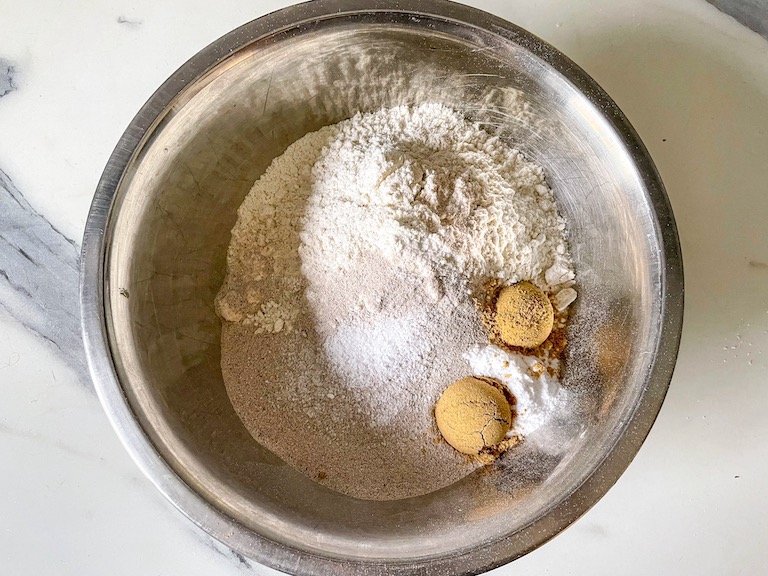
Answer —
351 297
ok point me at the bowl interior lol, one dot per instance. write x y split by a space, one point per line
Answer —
169 230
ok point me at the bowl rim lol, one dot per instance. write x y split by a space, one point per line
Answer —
248 543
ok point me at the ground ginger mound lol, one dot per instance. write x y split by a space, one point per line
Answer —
474 416
523 316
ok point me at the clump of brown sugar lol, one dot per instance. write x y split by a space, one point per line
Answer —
523 315
475 415
521 318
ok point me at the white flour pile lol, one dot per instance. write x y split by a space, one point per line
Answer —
348 296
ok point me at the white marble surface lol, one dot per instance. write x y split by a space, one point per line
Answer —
693 82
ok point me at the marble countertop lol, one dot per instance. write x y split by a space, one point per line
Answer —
693 82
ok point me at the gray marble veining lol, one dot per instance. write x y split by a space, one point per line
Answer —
129 22
39 276
39 288
7 77
751 13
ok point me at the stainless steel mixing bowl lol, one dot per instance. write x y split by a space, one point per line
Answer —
157 235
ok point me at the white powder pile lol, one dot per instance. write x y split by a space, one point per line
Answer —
348 295
537 396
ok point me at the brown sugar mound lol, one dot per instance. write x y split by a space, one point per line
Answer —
473 415
524 315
